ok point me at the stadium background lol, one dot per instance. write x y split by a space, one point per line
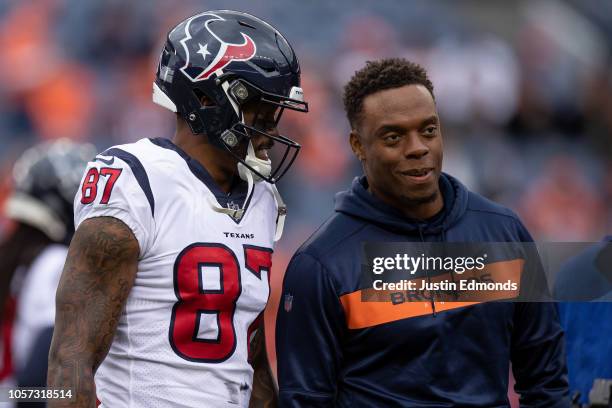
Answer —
524 90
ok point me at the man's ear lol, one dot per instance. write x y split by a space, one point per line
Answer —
356 146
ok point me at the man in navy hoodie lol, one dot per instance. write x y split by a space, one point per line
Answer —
334 349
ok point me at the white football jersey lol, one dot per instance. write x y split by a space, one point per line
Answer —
36 301
202 280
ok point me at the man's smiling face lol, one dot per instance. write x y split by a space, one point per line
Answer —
399 142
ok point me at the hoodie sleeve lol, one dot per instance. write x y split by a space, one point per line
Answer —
538 350
538 356
309 326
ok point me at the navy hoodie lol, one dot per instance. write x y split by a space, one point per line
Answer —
454 358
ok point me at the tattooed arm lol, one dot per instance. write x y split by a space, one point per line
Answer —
264 389
97 278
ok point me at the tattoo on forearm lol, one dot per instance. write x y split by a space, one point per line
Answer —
97 278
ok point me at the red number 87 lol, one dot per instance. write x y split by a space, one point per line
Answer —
89 190
195 301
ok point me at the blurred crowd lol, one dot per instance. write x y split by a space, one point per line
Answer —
524 91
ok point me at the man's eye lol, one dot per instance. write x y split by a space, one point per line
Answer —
392 138
430 130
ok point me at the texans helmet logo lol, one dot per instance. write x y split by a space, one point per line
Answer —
216 52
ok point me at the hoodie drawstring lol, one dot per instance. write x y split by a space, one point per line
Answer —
452 273
432 298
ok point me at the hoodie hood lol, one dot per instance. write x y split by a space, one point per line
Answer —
360 203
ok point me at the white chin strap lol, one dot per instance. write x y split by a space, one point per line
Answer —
281 208
263 167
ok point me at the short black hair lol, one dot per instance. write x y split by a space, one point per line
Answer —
377 76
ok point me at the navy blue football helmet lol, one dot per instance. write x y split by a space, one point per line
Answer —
233 59
46 179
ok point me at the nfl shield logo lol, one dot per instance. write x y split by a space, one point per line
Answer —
233 206
288 302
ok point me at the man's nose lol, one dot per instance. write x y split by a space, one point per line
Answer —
414 146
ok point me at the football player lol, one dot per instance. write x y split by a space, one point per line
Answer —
168 273
45 179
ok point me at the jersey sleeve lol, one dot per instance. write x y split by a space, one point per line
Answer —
309 330
119 188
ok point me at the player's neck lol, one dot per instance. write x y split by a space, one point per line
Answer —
219 165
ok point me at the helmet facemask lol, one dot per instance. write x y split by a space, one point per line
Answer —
258 115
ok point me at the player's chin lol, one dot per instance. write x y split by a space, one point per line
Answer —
262 154
418 194
419 199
